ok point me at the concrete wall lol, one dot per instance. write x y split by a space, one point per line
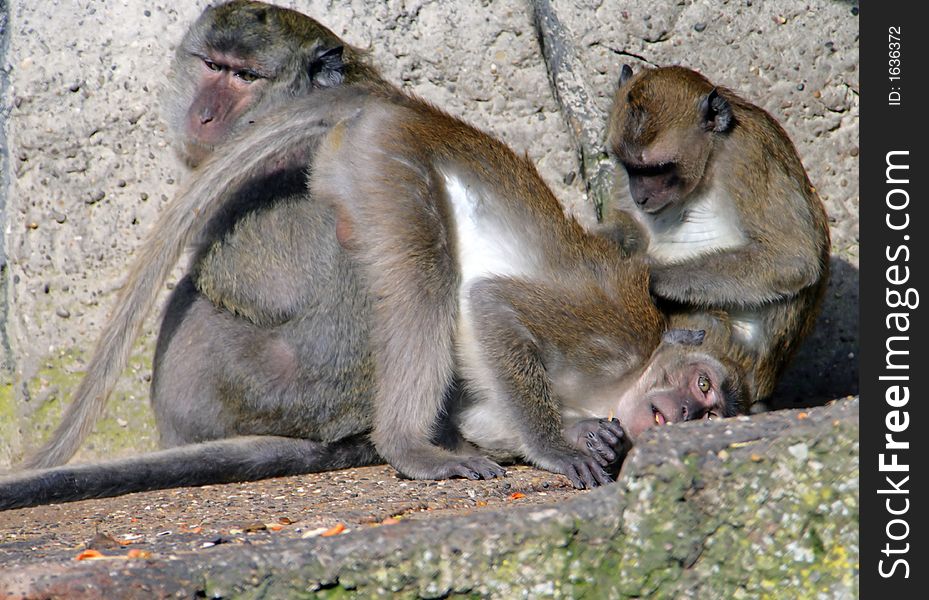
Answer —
86 163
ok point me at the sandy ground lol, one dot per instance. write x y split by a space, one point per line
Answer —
194 520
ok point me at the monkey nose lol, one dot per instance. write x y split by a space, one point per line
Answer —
691 411
206 116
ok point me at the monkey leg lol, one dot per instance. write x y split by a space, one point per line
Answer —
411 387
447 433
272 256
218 376
399 237
221 461
518 393
184 394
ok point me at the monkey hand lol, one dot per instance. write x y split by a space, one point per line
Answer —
626 237
603 439
584 471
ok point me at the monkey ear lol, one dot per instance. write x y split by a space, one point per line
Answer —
625 74
685 337
327 68
716 112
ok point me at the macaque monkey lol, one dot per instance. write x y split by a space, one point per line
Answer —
469 271
270 313
241 58
719 203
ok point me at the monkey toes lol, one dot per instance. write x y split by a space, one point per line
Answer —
473 467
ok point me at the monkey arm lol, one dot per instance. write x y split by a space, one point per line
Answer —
748 276
514 356
621 228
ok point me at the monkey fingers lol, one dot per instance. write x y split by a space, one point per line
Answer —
606 443
603 439
584 472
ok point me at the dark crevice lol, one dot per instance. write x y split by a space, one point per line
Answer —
631 55
6 354
578 110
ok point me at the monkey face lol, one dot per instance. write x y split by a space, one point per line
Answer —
235 62
680 384
662 128
665 164
227 88
653 187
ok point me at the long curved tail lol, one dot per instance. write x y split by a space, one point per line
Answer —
292 131
221 461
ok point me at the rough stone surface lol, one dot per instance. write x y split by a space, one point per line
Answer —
754 507
89 167
798 61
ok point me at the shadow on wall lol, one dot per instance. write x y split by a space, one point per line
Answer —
826 366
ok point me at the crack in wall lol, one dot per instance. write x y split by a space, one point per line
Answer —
629 54
574 102
6 352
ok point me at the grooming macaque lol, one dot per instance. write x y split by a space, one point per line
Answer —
468 271
719 203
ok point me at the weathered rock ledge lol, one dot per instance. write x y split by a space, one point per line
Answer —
751 507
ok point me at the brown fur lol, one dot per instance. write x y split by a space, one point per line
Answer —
778 274
542 352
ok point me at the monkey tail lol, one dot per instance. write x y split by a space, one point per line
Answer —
221 461
289 131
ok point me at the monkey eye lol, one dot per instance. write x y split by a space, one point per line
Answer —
649 170
247 76
212 65
703 383
709 416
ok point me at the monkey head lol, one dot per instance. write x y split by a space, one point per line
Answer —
239 58
662 129
681 382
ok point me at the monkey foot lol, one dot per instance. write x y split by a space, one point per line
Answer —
469 467
476 467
